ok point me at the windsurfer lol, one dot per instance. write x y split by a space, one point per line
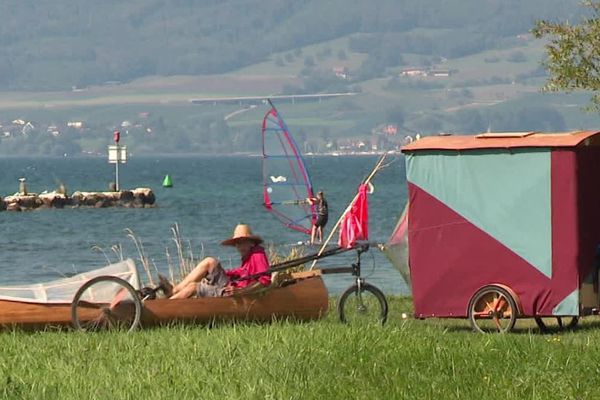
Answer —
286 181
322 217
209 279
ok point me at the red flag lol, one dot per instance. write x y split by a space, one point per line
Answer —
355 225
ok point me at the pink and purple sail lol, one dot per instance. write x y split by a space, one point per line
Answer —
286 181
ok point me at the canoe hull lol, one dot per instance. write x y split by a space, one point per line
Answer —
304 300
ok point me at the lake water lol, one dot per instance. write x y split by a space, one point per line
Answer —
209 197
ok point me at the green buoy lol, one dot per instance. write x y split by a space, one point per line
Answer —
167 181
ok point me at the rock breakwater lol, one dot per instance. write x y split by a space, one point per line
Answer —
136 198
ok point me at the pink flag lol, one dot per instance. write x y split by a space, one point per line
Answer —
355 225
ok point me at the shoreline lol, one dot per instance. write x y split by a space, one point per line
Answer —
198 155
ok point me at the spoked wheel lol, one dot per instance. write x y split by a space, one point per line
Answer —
106 302
493 309
365 306
556 324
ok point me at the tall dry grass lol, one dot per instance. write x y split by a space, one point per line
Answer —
185 260
181 259
278 255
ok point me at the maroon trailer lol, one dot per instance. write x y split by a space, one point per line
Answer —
502 226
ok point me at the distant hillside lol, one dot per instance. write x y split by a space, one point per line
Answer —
414 67
60 44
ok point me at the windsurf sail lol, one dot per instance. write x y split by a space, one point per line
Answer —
286 182
396 248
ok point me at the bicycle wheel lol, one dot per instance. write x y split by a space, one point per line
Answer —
556 324
363 307
493 309
106 302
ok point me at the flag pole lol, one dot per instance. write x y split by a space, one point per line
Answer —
347 210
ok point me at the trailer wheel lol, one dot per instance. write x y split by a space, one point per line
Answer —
106 302
556 324
366 305
493 309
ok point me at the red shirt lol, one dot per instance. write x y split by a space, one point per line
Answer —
255 262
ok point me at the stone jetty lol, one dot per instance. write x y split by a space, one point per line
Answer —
136 198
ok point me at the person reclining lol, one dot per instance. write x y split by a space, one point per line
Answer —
209 279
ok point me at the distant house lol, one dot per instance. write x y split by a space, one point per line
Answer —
53 130
385 129
440 73
340 72
19 126
415 71
350 144
390 129
27 128
75 124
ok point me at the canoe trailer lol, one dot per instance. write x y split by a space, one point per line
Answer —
111 298
502 226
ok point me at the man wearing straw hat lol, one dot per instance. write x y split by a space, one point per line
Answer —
209 279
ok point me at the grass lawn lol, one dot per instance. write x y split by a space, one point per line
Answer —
317 360
295 64
476 67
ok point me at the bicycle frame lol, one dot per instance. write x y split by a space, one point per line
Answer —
354 269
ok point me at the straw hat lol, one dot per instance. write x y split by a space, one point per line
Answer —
242 231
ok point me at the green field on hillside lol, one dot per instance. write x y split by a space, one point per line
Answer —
326 55
496 89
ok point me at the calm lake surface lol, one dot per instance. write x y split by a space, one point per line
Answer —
210 196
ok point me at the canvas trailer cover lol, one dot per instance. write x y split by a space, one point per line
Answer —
520 210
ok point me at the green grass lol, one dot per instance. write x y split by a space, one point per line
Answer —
318 360
154 90
476 67
293 67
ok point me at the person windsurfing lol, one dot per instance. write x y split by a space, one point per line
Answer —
286 180
322 212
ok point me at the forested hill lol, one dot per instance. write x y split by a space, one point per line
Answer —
54 45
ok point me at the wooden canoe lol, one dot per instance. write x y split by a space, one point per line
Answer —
305 299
